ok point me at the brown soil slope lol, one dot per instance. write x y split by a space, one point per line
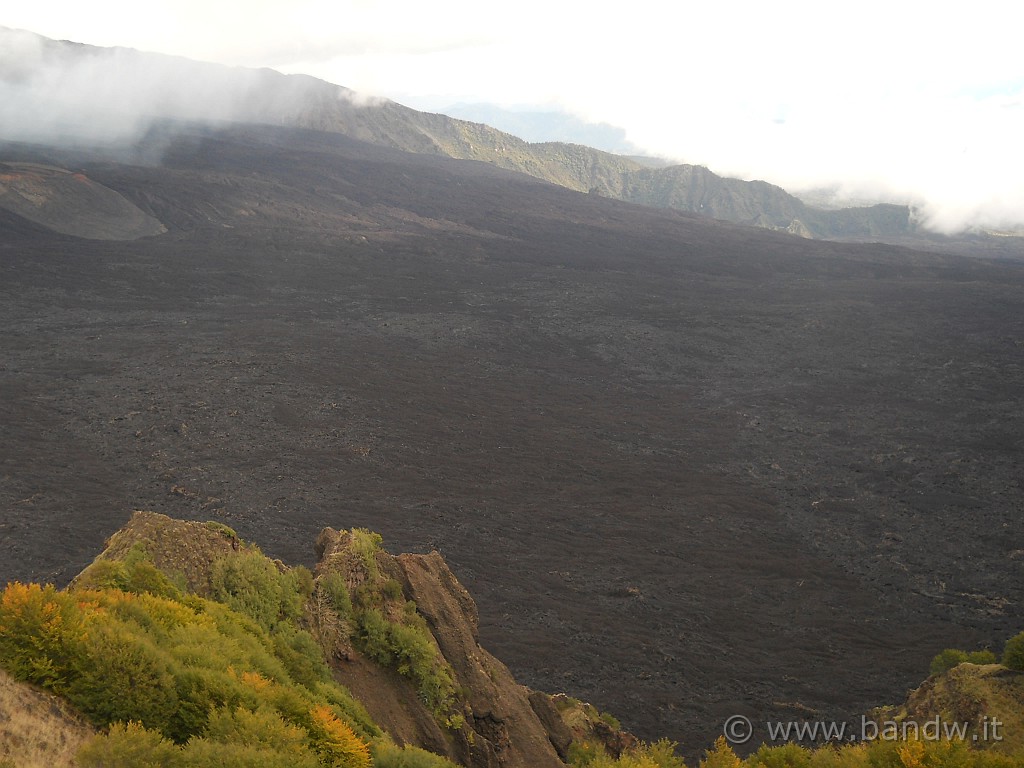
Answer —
37 729
72 203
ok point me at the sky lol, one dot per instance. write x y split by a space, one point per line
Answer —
904 101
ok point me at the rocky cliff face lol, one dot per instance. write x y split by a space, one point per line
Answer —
689 188
491 722
504 724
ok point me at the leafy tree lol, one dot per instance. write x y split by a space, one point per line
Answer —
41 632
336 742
1013 653
251 584
721 756
784 756
952 657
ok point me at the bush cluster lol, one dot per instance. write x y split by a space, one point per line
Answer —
876 754
952 657
179 680
389 630
1013 653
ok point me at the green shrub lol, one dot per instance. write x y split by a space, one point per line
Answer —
1013 653
783 756
122 675
721 756
263 728
301 655
301 580
583 753
334 589
660 754
238 739
392 589
388 755
412 652
981 657
405 644
952 657
946 660
366 544
250 583
203 753
166 664
134 572
224 530
663 753
130 746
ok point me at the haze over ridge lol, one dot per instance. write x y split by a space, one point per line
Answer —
913 104
951 156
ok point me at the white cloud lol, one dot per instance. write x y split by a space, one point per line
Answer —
909 100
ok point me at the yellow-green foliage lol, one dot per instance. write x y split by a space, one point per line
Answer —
410 649
130 745
135 573
250 583
225 530
660 754
722 756
951 657
336 743
882 753
334 589
192 676
912 753
366 544
388 755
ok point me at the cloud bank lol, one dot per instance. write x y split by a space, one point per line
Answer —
65 93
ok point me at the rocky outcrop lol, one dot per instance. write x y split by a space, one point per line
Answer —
487 721
501 726
183 550
986 699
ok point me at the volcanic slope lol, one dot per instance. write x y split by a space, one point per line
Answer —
687 468
149 86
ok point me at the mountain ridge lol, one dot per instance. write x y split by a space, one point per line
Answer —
304 101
